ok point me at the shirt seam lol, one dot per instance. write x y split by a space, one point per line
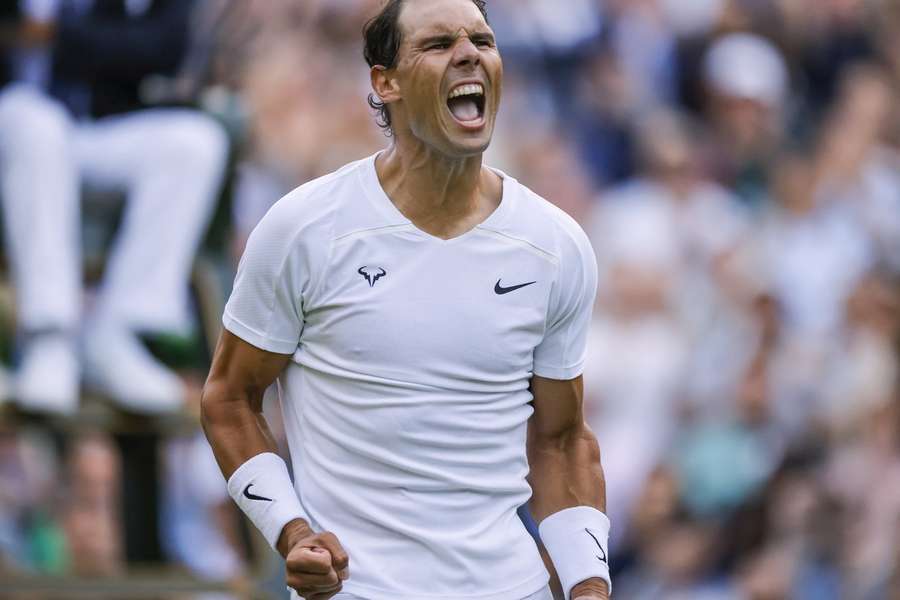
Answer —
545 365
549 256
255 331
278 280
320 281
368 231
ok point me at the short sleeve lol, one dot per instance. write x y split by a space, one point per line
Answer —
561 353
266 304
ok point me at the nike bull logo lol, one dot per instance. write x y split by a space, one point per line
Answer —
372 274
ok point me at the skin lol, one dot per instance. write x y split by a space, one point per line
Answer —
564 458
434 174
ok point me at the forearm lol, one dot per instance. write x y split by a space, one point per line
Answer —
235 430
237 433
565 471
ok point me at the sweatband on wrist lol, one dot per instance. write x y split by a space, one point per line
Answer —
577 540
262 488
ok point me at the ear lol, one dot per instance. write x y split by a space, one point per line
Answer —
384 84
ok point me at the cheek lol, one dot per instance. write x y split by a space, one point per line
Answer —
423 96
496 72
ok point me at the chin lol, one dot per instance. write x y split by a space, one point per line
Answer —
468 148
466 144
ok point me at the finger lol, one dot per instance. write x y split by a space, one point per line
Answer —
324 595
306 590
339 557
316 561
316 582
314 593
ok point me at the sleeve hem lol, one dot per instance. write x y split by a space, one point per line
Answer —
257 339
559 373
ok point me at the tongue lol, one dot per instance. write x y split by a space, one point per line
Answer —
463 108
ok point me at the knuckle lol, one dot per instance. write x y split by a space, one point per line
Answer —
328 537
294 582
329 581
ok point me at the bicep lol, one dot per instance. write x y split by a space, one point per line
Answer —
241 368
558 406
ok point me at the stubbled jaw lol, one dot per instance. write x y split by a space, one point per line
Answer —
466 103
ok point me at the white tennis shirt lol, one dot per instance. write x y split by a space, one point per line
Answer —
407 399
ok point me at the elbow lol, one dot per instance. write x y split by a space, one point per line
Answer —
219 405
210 405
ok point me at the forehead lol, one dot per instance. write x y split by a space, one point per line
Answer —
428 17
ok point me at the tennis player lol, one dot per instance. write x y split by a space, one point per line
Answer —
425 319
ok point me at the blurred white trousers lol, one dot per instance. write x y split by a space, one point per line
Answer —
169 163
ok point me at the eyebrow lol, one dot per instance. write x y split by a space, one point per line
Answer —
447 38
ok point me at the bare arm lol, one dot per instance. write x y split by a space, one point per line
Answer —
564 458
231 407
231 410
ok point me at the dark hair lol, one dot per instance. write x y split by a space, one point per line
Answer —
382 43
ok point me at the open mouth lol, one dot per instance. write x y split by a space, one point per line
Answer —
466 103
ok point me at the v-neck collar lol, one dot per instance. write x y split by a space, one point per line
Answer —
386 206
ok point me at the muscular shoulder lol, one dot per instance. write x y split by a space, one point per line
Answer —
539 223
310 209
307 220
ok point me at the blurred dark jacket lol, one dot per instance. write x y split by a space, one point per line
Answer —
103 57
9 22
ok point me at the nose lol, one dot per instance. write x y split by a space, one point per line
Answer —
466 54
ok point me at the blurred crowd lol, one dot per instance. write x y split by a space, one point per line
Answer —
736 164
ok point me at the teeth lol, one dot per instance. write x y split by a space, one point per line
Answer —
469 89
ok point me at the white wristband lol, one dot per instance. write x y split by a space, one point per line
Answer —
262 488
577 540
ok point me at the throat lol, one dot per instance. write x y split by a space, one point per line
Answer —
464 108
441 199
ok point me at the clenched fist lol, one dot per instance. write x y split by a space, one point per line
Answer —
316 563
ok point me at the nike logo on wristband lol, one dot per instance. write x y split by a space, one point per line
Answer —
250 496
599 546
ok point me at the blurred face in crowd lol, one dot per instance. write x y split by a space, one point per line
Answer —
749 125
445 88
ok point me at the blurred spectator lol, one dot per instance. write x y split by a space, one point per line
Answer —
90 514
637 349
858 172
30 540
283 113
198 514
816 252
169 162
548 42
746 79
605 113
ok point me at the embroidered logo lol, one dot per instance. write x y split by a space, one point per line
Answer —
250 496
372 274
500 290
602 558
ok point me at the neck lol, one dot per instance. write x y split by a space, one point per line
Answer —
441 195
